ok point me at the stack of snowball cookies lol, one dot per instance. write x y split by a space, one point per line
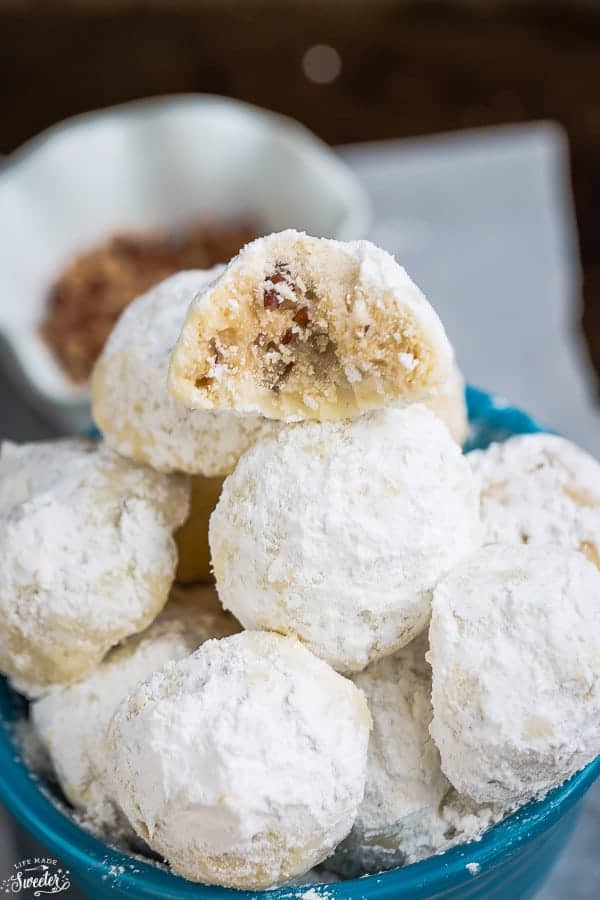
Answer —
403 642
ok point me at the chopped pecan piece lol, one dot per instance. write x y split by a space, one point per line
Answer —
272 299
302 317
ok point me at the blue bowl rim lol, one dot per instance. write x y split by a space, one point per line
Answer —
21 793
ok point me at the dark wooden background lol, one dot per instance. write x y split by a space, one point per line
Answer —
407 69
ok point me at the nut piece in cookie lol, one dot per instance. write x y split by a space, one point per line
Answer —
299 327
87 556
337 532
515 655
244 764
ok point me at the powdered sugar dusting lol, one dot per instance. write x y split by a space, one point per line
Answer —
86 555
540 488
514 648
358 520
409 810
130 400
72 721
229 762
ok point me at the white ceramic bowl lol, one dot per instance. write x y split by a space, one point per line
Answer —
155 163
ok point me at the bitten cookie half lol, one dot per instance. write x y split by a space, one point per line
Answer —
299 327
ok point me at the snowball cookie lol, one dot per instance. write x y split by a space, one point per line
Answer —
449 404
409 810
299 327
540 488
192 537
405 785
72 721
130 401
337 532
87 556
245 763
515 653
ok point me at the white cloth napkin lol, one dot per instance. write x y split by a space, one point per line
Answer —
484 222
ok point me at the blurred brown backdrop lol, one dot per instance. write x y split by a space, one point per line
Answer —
408 68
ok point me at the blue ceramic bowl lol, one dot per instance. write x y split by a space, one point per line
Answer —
509 862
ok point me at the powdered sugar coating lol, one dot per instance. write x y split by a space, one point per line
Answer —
515 653
405 785
448 402
337 532
540 488
409 810
299 327
229 762
130 401
72 721
87 555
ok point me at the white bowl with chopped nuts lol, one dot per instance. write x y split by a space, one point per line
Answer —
184 179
